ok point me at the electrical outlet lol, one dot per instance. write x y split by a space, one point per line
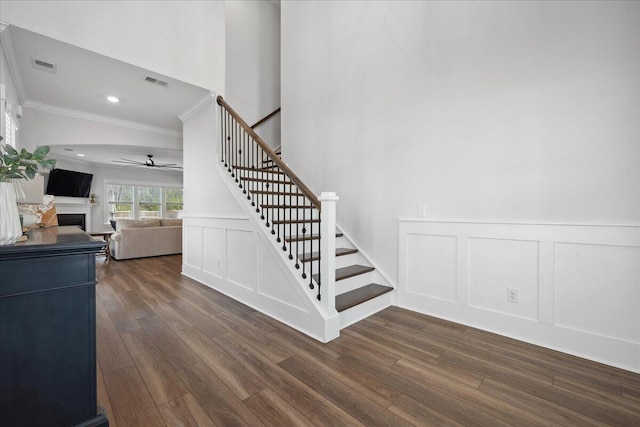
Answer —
422 210
219 264
512 295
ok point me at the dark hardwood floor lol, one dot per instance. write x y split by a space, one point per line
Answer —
174 352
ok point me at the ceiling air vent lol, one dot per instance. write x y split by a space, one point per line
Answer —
155 81
39 64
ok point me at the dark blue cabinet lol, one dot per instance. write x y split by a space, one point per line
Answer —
48 330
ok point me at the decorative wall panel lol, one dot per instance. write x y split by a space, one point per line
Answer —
578 286
432 264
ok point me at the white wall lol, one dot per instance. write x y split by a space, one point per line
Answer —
483 111
180 39
204 192
11 93
45 128
252 85
518 111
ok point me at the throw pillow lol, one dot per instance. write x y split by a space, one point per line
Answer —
48 211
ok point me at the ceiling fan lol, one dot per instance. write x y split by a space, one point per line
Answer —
150 163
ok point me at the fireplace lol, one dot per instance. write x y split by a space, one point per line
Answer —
73 219
75 207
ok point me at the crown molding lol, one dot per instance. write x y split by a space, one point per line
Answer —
39 106
12 64
206 100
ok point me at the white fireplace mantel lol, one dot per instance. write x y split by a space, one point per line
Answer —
75 205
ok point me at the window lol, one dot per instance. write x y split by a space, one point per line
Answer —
143 201
8 120
149 202
10 129
172 202
120 201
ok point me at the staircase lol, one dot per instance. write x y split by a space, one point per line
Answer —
301 225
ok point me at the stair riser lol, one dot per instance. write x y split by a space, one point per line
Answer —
284 214
278 199
296 229
355 282
341 261
309 245
273 186
261 174
366 309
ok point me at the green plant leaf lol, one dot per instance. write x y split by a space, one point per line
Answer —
25 154
23 164
31 173
48 164
41 152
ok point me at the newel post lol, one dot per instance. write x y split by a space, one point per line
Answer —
328 251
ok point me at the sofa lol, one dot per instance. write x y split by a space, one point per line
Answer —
145 238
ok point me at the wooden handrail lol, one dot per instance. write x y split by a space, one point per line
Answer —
277 160
265 118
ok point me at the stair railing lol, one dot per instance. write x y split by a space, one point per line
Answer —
285 204
265 118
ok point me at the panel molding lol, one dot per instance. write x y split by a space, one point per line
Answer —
200 242
588 340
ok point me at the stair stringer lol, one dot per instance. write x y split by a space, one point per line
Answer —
313 321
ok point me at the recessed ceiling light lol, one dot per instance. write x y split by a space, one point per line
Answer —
113 99
80 155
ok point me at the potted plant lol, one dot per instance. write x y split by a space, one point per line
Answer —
16 165
92 197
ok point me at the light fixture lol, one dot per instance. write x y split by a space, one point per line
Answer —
113 99
80 155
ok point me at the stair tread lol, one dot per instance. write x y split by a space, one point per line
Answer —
352 270
261 170
270 206
307 237
347 272
275 181
360 295
281 193
297 221
313 256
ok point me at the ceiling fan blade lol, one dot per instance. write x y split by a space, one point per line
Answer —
126 161
168 166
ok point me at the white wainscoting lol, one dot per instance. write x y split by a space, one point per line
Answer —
578 285
228 254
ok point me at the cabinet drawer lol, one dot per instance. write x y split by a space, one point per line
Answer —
24 275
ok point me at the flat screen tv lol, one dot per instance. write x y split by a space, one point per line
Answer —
69 183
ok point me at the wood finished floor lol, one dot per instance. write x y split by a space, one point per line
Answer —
174 352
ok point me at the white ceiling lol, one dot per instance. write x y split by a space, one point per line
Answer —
83 81
105 154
